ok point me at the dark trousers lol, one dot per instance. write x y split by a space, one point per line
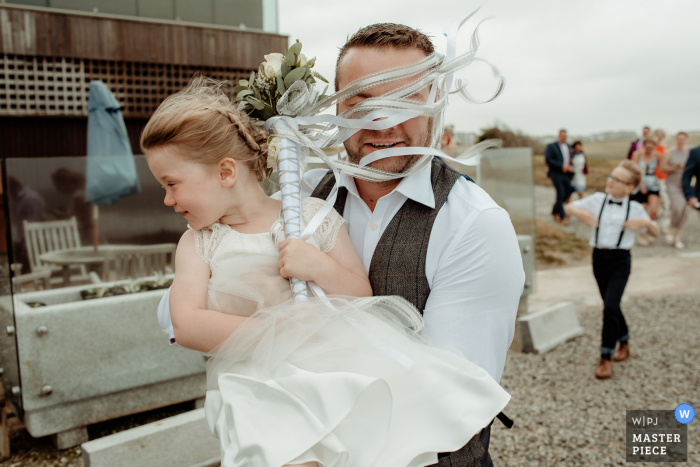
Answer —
611 269
562 184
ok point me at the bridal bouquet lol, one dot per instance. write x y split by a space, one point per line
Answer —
284 85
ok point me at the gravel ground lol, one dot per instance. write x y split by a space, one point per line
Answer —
564 416
545 197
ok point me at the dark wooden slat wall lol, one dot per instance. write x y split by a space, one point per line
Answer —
59 34
54 137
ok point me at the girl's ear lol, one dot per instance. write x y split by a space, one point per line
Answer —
228 171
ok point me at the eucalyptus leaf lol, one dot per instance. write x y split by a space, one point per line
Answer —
280 86
285 69
295 48
268 112
310 80
319 76
307 72
311 63
294 75
290 59
268 172
252 77
323 93
243 82
241 95
257 93
238 89
255 103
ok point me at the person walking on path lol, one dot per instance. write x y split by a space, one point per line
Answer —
692 169
580 169
638 143
613 217
558 158
649 189
672 164
664 212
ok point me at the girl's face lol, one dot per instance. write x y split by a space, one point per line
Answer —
195 190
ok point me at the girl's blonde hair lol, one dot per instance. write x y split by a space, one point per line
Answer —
202 120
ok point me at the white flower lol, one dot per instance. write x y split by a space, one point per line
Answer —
273 150
268 70
302 60
275 61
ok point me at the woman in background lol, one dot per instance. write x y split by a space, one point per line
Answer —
672 164
648 192
580 169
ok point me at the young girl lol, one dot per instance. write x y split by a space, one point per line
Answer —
333 381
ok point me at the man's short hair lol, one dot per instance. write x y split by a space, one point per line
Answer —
382 35
563 129
682 133
634 171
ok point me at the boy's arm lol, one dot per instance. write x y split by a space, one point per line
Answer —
194 326
585 216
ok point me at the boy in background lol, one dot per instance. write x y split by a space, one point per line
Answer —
613 218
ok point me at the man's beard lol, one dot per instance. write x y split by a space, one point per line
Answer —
396 164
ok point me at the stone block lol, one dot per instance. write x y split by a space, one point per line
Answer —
180 441
543 330
69 438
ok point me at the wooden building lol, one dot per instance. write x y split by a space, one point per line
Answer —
48 57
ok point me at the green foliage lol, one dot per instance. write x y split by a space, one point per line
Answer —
258 95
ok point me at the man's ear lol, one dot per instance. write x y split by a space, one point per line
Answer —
227 171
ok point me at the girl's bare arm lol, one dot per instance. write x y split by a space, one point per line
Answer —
195 326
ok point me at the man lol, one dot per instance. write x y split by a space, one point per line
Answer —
637 144
434 237
558 158
692 168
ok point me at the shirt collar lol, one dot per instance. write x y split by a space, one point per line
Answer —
417 187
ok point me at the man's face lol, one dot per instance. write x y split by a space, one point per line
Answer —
562 137
681 139
646 131
362 61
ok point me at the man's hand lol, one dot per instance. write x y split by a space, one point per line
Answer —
636 224
567 168
692 202
301 260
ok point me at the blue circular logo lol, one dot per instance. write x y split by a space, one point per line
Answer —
685 413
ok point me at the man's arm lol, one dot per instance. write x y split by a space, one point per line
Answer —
475 291
551 158
692 167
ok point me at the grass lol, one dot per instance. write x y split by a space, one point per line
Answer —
598 170
557 247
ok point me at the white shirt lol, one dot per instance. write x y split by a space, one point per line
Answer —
612 220
473 265
565 152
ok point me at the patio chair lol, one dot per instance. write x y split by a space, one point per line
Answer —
39 279
139 261
45 237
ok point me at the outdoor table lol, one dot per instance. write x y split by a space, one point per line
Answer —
80 256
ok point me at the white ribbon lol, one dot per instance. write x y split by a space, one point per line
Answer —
310 130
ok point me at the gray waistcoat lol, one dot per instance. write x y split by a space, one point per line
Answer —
398 268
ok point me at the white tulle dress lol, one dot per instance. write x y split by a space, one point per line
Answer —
341 381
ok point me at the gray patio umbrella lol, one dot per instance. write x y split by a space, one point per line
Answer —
111 169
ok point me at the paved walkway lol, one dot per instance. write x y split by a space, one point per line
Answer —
655 275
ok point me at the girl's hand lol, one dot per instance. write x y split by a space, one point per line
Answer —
301 260
643 189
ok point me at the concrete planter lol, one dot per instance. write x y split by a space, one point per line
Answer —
85 361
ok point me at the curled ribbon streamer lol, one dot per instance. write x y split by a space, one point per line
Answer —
301 126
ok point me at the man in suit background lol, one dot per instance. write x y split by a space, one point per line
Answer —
692 168
638 143
558 158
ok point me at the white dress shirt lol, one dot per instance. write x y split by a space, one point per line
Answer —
565 153
473 265
612 220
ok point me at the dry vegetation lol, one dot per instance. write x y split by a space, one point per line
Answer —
598 169
557 247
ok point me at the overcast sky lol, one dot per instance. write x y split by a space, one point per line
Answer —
586 65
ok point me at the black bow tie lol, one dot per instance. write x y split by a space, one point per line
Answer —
619 203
